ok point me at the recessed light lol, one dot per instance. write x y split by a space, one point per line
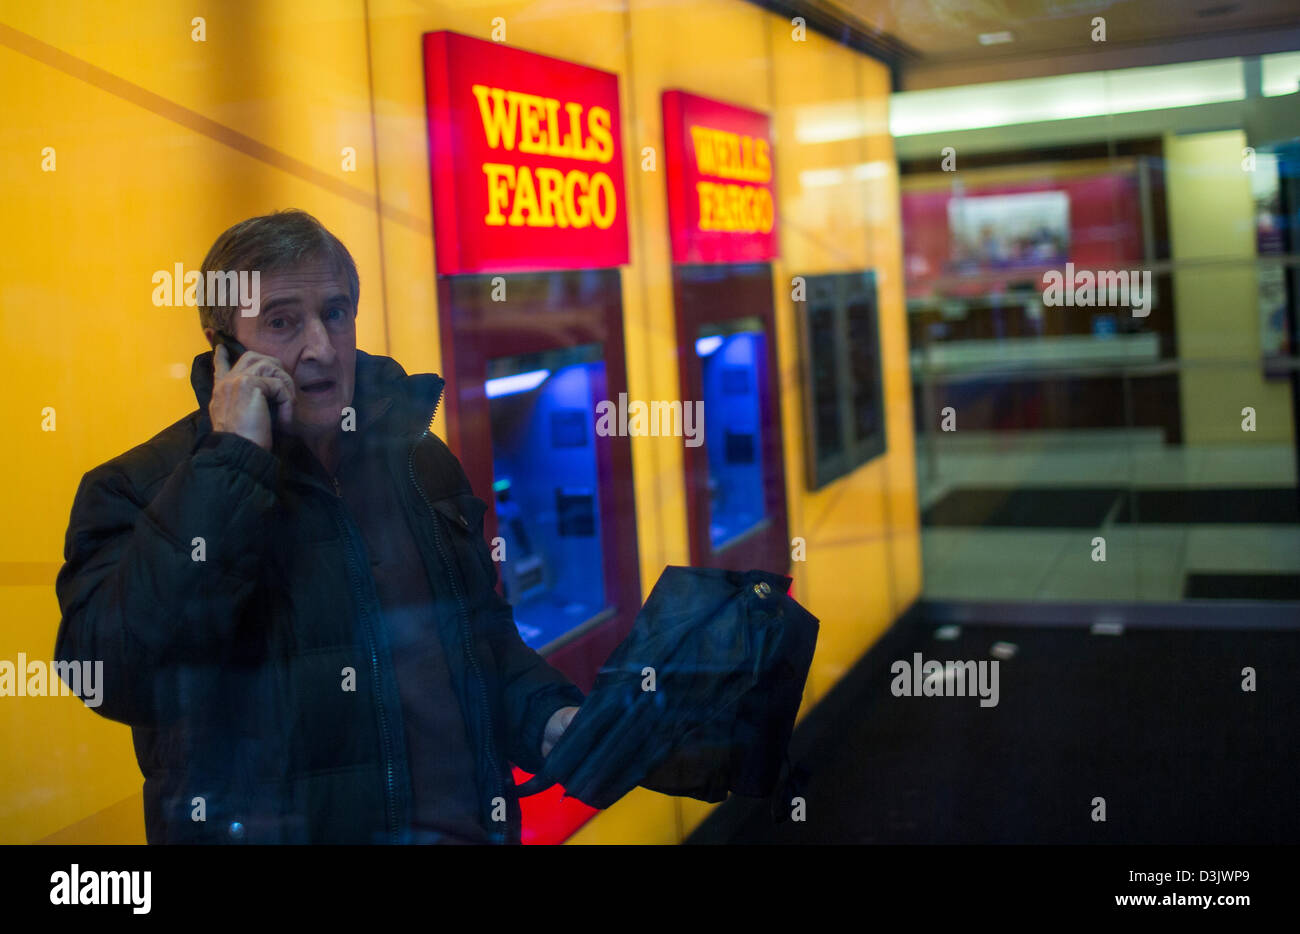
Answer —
996 38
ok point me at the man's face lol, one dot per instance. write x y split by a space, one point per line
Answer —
306 321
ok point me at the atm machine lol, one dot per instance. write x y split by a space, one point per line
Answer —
525 378
530 229
735 480
722 222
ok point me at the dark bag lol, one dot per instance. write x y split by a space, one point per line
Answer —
699 700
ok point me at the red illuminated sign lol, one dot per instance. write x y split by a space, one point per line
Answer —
721 181
526 159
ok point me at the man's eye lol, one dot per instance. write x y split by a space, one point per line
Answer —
276 324
335 313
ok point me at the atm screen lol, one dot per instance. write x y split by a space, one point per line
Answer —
730 358
546 486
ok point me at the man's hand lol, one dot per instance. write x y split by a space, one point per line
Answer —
241 395
555 728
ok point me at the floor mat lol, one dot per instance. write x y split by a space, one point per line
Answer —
1242 587
1203 506
1054 507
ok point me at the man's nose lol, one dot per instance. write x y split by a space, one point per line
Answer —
317 344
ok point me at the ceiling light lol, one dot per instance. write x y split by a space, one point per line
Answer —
518 382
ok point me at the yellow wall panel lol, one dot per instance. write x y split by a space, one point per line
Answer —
884 224
290 74
1216 304
822 211
839 212
640 816
116 824
61 760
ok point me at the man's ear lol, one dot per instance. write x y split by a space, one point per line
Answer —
211 335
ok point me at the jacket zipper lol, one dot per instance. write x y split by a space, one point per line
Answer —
463 614
354 581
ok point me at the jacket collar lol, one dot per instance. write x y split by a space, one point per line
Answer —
381 385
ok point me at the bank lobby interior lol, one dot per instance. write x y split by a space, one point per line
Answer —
1105 505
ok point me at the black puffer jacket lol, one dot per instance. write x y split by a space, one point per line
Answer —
230 669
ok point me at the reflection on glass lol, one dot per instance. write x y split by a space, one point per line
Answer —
733 431
1154 415
544 462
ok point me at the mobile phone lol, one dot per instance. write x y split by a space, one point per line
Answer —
234 350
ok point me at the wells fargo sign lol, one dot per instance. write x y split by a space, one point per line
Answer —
526 159
721 187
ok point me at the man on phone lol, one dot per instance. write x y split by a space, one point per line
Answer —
290 590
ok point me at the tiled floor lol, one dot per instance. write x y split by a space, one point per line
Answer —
1143 562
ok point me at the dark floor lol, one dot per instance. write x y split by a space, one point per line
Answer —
1154 721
